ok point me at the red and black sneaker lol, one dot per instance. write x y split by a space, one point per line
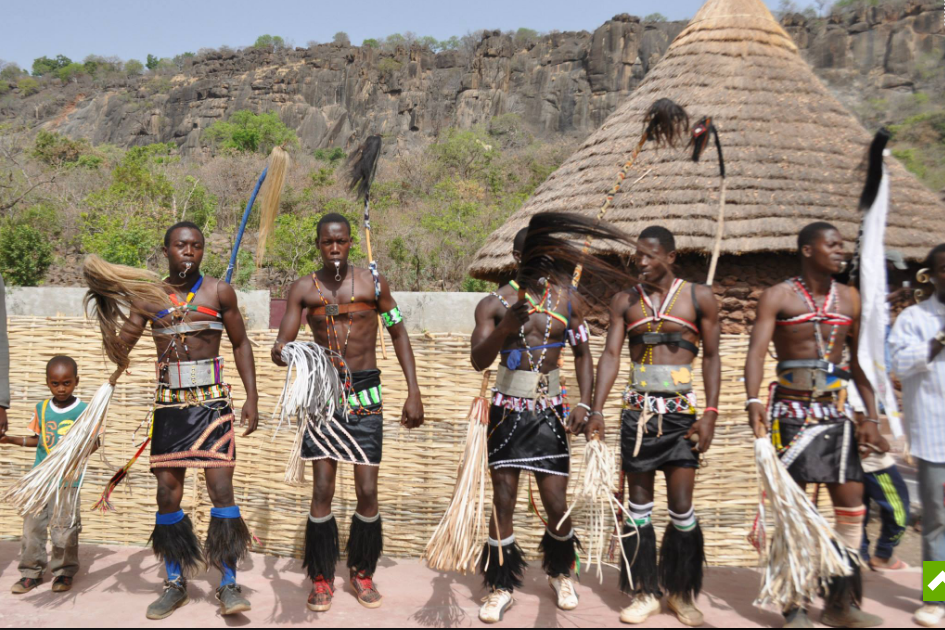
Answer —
319 600
363 585
25 585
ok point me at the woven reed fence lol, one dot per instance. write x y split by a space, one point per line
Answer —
418 469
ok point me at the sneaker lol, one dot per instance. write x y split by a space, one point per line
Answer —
231 600
25 585
173 597
849 617
564 590
643 606
797 618
319 600
930 615
363 585
685 611
61 584
494 606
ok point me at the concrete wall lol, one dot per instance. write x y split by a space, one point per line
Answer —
423 312
67 302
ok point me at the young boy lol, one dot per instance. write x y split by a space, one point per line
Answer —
51 421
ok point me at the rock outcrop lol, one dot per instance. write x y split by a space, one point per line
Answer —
563 83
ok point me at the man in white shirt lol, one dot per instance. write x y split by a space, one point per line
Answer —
916 345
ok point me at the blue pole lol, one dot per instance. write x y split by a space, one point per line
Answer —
239 235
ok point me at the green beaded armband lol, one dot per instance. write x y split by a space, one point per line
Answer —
392 317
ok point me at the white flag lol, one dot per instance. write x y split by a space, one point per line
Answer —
874 316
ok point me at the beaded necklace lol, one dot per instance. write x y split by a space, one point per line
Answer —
808 298
335 347
546 298
179 313
648 353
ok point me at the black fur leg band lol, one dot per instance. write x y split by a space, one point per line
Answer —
322 551
228 541
842 592
643 569
682 559
178 543
559 555
365 543
505 575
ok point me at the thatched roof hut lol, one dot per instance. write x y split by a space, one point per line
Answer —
793 154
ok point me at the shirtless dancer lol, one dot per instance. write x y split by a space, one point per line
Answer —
810 318
528 428
342 309
665 318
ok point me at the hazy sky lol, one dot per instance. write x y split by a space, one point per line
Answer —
131 29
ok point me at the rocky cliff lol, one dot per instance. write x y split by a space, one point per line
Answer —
564 83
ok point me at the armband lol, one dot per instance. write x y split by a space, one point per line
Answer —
579 336
392 317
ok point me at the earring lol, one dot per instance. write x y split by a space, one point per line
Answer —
923 276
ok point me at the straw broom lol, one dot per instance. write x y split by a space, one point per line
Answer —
271 194
663 123
596 490
700 139
804 552
458 540
311 398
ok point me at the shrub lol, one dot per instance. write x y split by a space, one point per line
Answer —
25 254
332 156
215 263
152 62
133 67
246 131
655 17
341 39
44 65
70 72
371 43
28 86
56 150
122 240
475 285
388 66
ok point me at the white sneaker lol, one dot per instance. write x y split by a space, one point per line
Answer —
494 606
930 615
644 606
564 589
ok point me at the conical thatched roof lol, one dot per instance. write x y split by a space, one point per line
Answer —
792 152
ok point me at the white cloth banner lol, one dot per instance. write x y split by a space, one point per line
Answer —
874 315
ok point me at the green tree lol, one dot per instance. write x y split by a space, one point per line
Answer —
43 65
371 43
70 72
152 62
11 72
246 131
269 41
453 43
429 42
655 17
525 36
466 152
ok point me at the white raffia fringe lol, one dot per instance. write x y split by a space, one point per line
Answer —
459 539
804 552
596 492
311 398
53 479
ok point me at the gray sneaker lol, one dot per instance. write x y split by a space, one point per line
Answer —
232 600
173 597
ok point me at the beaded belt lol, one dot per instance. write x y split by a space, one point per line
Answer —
193 395
682 403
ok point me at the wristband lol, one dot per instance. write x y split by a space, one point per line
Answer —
597 413
584 406
708 409
751 401
873 420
